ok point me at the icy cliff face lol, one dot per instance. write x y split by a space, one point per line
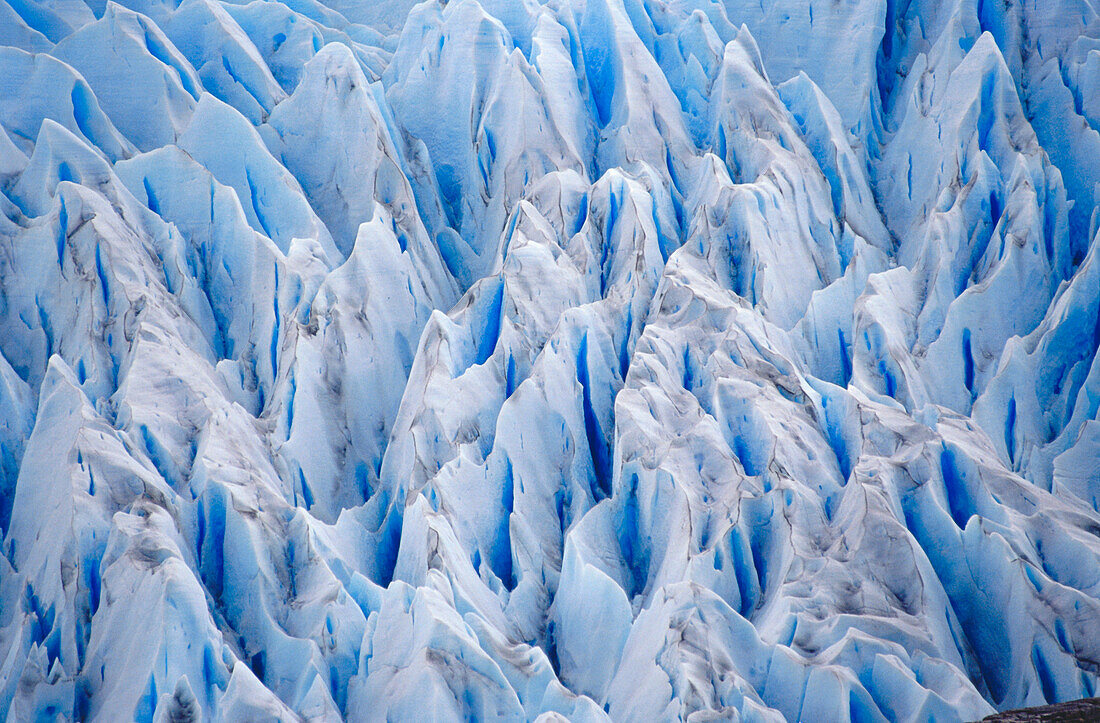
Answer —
579 359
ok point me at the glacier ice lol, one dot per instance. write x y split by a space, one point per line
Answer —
548 359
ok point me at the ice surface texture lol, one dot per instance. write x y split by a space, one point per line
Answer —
579 359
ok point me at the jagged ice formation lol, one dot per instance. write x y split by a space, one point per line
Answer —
565 359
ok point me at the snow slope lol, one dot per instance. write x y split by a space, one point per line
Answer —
560 360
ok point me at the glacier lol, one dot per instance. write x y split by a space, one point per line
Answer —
548 360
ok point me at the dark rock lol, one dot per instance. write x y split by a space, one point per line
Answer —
1086 710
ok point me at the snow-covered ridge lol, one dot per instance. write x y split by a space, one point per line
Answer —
579 359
